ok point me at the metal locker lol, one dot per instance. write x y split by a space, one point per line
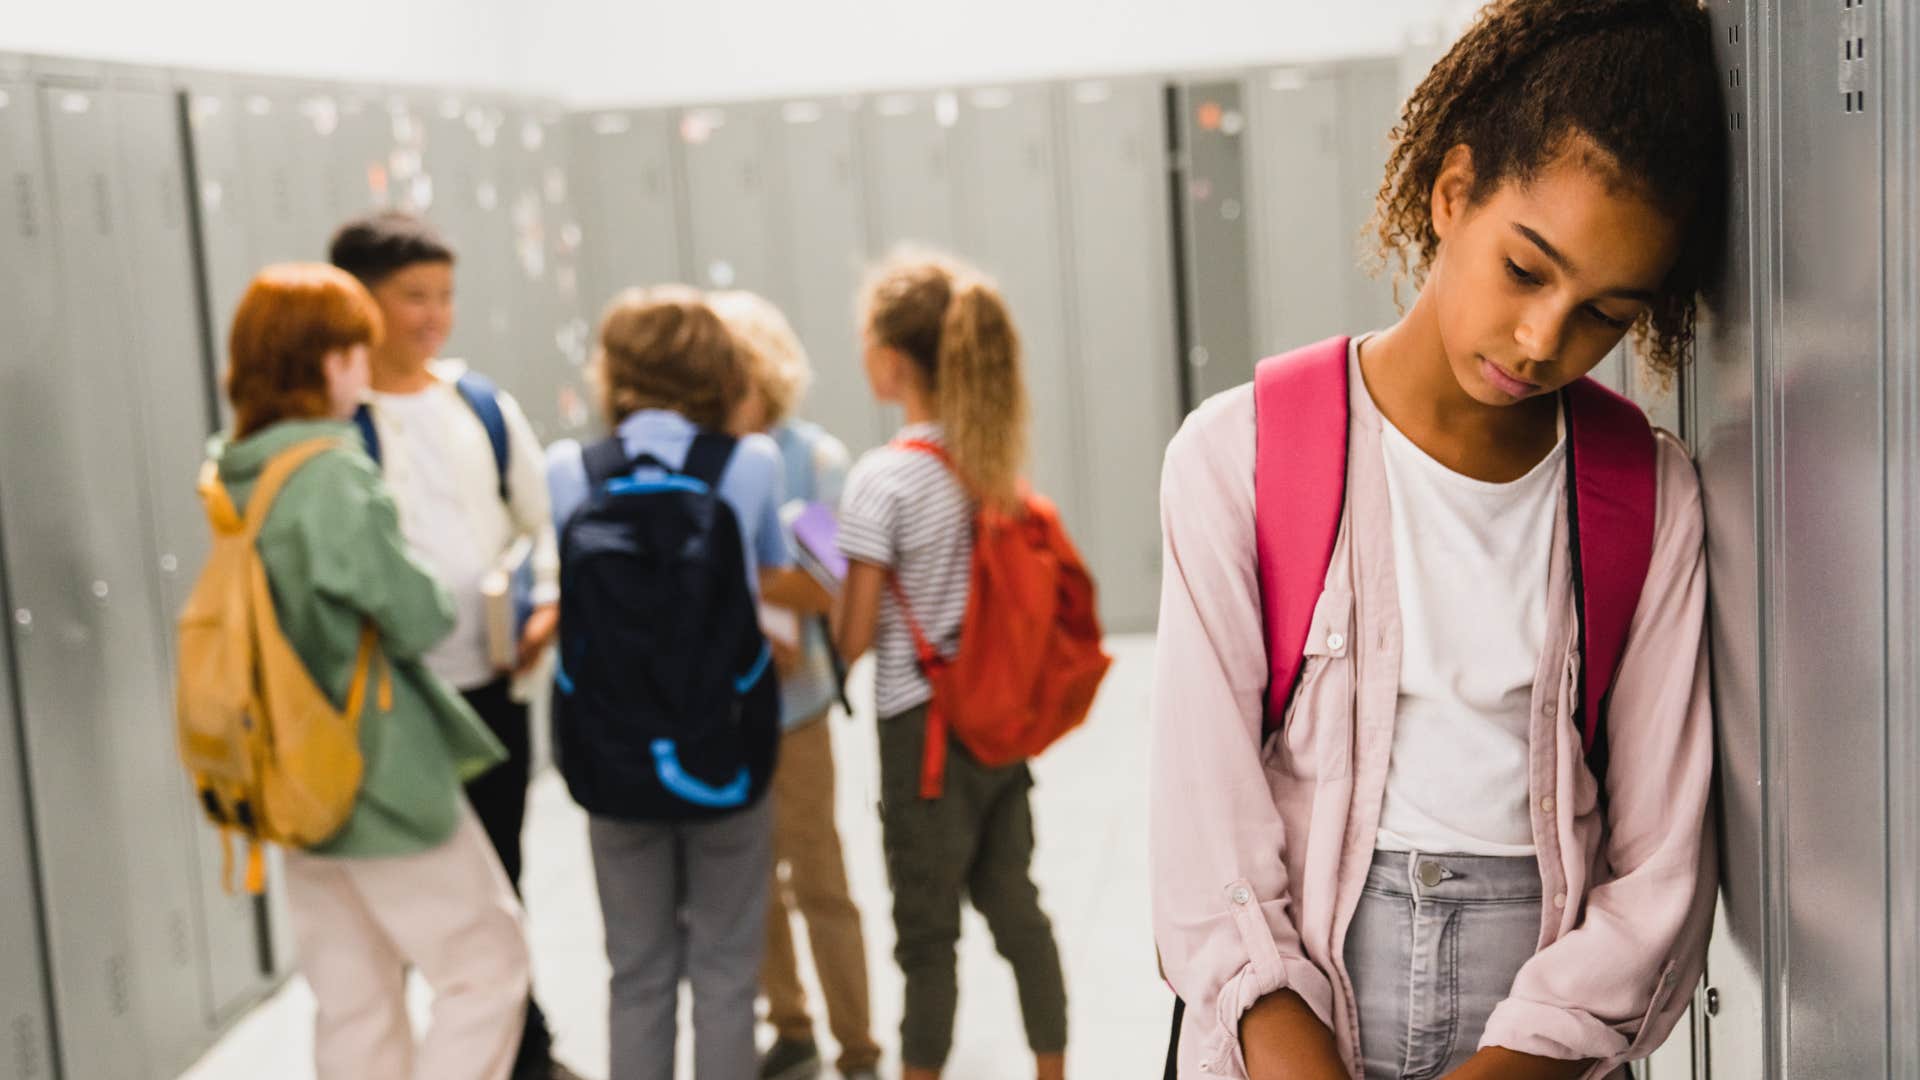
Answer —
76 590
362 149
1302 253
629 209
546 236
166 399
24 994
169 369
1827 562
1120 277
222 193
1210 123
909 171
282 176
1370 101
729 174
488 302
307 119
450 200
819 216
1008 198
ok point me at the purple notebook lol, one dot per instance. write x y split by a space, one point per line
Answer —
816 532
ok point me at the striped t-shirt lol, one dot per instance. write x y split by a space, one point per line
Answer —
904 510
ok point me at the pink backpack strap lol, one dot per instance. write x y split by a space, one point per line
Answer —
1612 494
1300 487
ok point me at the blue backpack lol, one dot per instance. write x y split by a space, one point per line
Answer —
667 707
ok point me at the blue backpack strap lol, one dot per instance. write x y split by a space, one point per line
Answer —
707 458
604 460
483 397
363 419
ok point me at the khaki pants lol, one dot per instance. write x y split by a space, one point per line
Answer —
807 843
449 913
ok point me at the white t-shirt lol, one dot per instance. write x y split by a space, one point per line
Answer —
904 510
1472 560
439 464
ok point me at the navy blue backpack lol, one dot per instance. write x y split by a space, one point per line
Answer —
667 706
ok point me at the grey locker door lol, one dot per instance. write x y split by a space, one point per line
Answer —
1370 102
158 362
910 173
454 166
308 119
24 1005
23 994
728 169
820 216
1210 121
1121 278
279 174
544 197
1009 203
1828 566
363 149
76 583
169 369
631 219
224 193
490 252
1302 253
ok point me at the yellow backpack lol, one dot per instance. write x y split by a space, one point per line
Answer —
270 757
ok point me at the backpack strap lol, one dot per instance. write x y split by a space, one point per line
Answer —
604 460
280 468
707 458
483 397
1300 487
370 435
1611 492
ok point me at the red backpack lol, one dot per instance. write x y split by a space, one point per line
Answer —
1030 658
1300 476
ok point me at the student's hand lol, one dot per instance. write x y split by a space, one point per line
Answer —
1283 1040
542 625
795 589
1500 1063
786 658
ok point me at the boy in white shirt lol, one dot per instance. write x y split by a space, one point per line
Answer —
468 475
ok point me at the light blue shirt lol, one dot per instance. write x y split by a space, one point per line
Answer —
816 471
754 483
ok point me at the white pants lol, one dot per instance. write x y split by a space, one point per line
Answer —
449 913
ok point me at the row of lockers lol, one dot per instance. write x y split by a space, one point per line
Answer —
1103 207
146 198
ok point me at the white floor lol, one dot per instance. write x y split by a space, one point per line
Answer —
1090 804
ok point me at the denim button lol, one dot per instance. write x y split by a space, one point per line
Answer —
1432 874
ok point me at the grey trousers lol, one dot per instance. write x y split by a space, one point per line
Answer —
1433 947
685 901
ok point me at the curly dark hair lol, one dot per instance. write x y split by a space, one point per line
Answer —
1635 79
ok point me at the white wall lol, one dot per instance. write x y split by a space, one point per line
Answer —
443 42
644 51
608 51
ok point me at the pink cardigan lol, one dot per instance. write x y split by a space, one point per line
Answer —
1259 853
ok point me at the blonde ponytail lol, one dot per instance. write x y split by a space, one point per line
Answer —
981 397
951 322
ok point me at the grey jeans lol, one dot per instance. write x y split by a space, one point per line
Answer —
684 901
1433 947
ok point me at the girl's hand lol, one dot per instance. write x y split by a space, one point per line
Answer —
857 609
543 623
1500 1063
1283 1040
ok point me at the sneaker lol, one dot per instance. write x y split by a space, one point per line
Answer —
791 1059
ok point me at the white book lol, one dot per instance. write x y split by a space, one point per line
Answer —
503 621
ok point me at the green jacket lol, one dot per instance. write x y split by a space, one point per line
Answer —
335 558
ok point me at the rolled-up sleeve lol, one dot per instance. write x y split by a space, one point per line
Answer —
1612 988
1222 911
